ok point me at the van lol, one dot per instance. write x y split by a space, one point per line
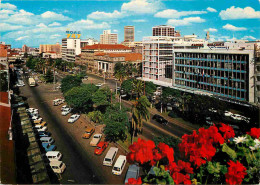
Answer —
53 155
47 140
110 156
57 166
119 165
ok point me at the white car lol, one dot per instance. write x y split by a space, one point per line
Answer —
64 107
66 111
213 110
35 117
95 140
99 84
73 118
40 128
57 166
38 119
20 85
32 110
227 113
236 117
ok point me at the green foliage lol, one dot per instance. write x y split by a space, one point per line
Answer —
95 116
3 81
31 62
115 121
102 97
150 88
169 140
138 87
80 98
69 82
170 92
158 176
232 154
48 77
127 86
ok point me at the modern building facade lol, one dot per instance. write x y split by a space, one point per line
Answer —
70 48
165 30
50 48
222 69
129 34
108 38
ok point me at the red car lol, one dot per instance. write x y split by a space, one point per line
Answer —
101 147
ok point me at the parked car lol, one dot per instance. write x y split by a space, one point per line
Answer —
73 118
58 101
48 147
227 113
99 84
132 172
66 111
32 110
38 120
57 166
119 165
53 155
101 146
236 117
49 140
64 107
160 119
88 132
110 156
40 128
42 124
44 134
95 140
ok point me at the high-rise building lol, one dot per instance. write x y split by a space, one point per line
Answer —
164 30
25 49
129 34
108 38
50 48
70 48
224 69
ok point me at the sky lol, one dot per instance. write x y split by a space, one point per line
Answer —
35 22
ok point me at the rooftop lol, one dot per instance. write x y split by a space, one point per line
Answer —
128 56
107 47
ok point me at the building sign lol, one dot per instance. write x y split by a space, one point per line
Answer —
73 34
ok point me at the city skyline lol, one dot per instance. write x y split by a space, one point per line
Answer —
45 22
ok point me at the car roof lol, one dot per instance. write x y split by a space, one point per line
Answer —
101 143
42 138
119 161
55 163
52 153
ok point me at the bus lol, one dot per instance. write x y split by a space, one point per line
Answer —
32 82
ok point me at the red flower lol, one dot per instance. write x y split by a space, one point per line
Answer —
254 132
227 130
134 181
185 166
141 151
166 151
180 178
236 173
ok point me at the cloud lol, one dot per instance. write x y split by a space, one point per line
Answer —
142 6
233 28
22 17
22 38
170 13
185 21
116 31
239 13
7 6
103 15
211 29
54 24
139 20
41 25
211 9
248 37
54 16
88 25
55 36
9 27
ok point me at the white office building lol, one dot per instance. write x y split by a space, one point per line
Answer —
70 49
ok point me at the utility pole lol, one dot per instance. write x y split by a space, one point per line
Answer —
54 79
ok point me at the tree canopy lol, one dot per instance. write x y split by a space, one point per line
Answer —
69 82
102 97
150 88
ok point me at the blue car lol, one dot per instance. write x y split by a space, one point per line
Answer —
48 147
132 172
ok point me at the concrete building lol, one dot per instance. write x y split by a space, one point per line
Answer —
108 38
50 47
221 69
50 54
88 52
106 61
165 30
88 42
70 48
129 34
25 49
3 54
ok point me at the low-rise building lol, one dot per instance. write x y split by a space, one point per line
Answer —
51 54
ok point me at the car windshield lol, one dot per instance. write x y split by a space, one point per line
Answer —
116 169
107 160
98 148
60 165
96 136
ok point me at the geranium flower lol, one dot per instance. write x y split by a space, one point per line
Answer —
166 151
254 132
236 173
134 181
240 139
227 130
180 178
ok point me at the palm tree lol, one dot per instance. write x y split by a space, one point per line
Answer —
140 111
41 65
138 87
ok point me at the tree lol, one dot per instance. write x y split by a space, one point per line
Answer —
31 62
95 116
140 111
150 88
3 81
69 82
102 97
48 77
80 98
116 121
169 140
138 87
120 71
127 86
